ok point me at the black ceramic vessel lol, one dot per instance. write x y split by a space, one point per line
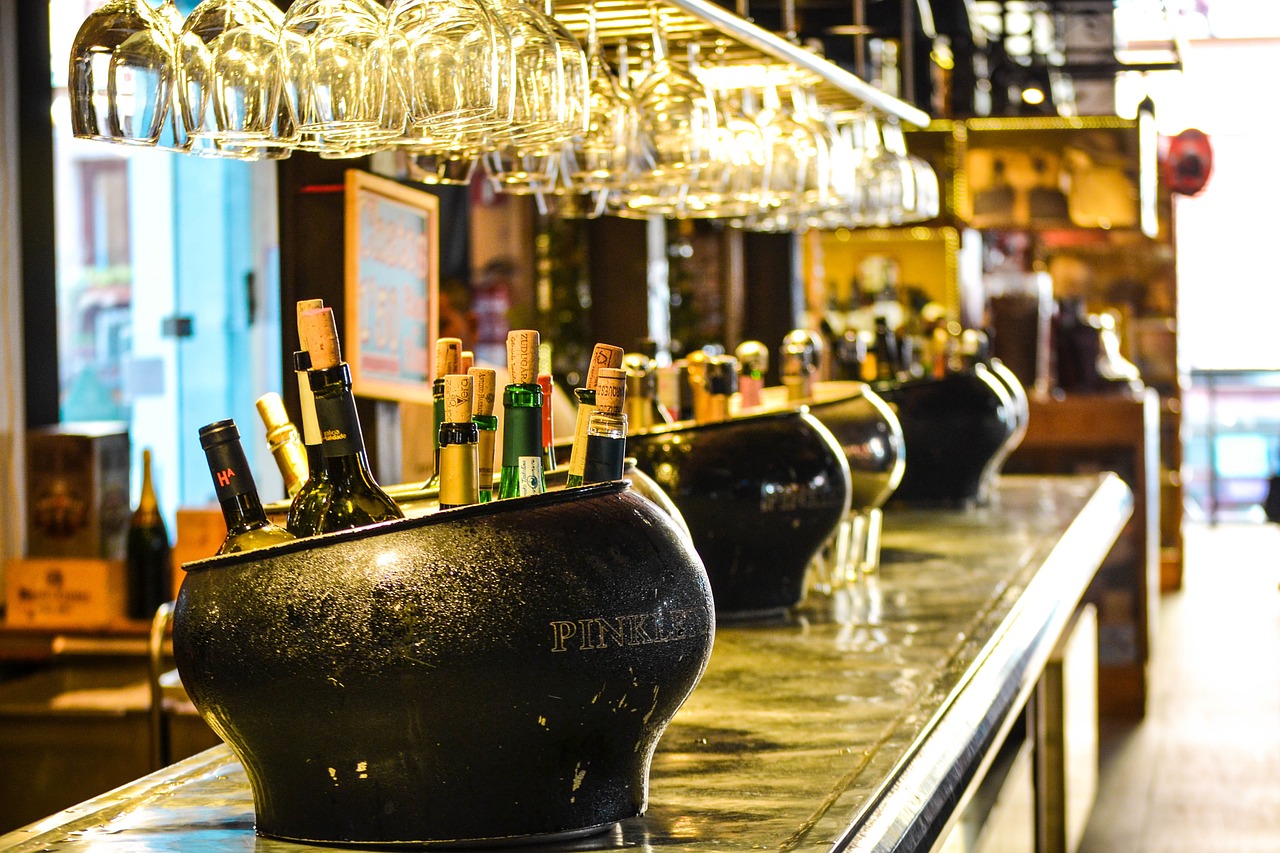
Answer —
479 675
868 432
1021 417
953 428
761 493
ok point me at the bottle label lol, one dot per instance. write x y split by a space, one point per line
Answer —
339 425
230 470
604 459
578 451
531 481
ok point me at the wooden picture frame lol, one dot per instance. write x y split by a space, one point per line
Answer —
392 287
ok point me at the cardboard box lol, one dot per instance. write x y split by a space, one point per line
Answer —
78 490
201 530
64 592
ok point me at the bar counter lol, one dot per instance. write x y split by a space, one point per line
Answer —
861 721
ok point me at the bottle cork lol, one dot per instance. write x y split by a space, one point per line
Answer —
485 389
467 361
603 356
457 398
522 356
319 328
305 305
448 356
611 390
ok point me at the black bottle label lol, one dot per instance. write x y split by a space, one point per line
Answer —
339 425
604 460
230 470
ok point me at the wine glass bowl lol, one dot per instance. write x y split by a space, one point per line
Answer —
121 74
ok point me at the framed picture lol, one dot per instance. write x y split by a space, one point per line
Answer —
392 287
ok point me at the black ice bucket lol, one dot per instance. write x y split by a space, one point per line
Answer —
487 674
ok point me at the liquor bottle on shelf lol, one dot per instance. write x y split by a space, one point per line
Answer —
285 443
355 498
148 556
459 445
607 429
602 356
886 351
484 396
522 419
448 362
548 431
753 361
247 524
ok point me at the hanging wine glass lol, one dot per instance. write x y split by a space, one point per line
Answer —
539 117
452 61
597 157
236 81
677 117
121 74
337 57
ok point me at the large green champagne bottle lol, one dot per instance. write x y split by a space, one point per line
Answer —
522 419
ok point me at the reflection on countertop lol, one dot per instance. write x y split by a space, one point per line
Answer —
838 724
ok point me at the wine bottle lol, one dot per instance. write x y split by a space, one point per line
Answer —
466 361
522 419
448 362
148 557
247 524
484 395
548 430
607 430
459 445
641 405
886 350
753 360
602 356
304 512
284 441
355 498
719 383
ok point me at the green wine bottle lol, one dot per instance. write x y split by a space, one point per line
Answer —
484 395
355 498
247 524
148 556
522 419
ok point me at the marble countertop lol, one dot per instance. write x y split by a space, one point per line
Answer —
851 724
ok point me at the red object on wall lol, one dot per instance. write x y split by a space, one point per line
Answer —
1188 162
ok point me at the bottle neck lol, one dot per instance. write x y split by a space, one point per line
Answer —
233 483
342 440
148 506
243 512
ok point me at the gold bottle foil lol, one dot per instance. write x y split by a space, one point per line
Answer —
459 485
284 441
